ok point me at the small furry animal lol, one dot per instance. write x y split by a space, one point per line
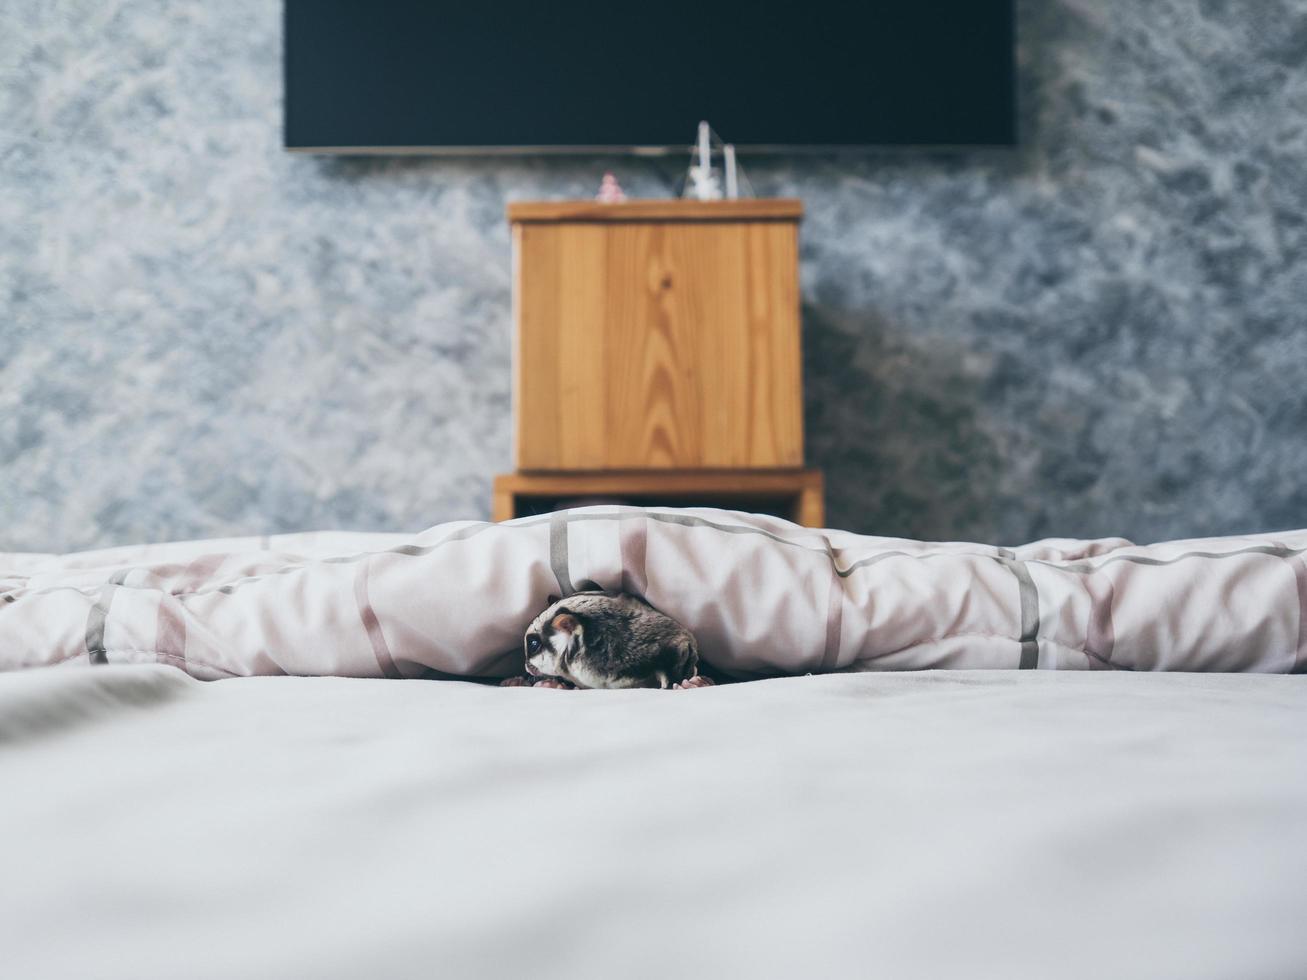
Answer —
611 639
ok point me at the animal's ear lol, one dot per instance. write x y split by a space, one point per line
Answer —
645 602
551 600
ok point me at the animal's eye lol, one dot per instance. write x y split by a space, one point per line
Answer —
533 644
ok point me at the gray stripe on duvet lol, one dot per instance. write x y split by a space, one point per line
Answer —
1300 581
558 557
1028 596
98 617
1081 568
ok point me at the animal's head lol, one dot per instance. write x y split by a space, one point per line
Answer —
609 639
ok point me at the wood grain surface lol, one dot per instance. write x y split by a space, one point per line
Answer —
659 345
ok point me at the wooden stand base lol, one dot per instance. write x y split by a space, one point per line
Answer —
796 495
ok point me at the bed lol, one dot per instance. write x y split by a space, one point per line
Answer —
849 822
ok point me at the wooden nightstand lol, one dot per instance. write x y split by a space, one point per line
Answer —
657 357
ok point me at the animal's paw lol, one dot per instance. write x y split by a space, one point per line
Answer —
690 683
520 681
557 682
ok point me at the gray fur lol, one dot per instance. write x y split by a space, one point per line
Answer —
609 639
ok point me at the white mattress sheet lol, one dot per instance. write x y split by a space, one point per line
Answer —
941 823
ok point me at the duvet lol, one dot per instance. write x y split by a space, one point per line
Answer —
763 596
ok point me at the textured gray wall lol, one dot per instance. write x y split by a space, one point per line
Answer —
1099 333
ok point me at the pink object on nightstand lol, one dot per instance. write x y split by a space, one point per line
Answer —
610 191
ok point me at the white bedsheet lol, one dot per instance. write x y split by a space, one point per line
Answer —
944 823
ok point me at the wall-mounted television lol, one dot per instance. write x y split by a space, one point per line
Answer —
392 76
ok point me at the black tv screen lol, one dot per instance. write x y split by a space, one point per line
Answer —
530 76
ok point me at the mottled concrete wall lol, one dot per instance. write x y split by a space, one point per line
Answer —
1099 333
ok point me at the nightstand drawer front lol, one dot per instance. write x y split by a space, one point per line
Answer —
657 345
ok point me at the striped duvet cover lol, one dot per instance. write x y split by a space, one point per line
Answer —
763 596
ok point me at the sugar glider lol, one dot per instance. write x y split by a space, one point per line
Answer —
611 639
